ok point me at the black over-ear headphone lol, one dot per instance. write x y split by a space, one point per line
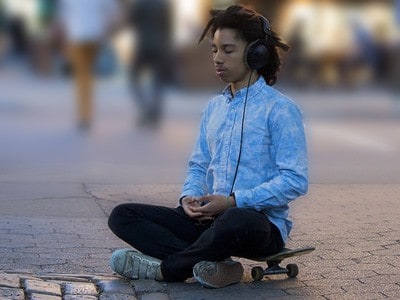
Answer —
256 54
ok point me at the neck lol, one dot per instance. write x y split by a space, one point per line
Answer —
235 86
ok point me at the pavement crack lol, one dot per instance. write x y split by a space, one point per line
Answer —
96 199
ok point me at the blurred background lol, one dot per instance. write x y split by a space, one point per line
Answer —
133 117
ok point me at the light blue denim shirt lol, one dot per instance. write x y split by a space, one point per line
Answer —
273 164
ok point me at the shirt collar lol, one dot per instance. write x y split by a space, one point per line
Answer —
253 90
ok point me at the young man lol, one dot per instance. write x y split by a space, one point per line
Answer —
248 163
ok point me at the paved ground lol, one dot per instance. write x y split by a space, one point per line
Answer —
356 236
57 188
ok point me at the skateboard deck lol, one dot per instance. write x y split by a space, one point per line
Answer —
273 261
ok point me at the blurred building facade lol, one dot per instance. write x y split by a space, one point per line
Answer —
334 43
342 43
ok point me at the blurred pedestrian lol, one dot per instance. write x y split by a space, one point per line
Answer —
298 67
42 38
248 164
395 57
3 30
150 68
87 24
17 32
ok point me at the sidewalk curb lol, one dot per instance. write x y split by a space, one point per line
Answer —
65 286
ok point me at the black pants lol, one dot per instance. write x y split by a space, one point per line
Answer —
180 242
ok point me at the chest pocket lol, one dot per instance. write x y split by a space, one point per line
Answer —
257 147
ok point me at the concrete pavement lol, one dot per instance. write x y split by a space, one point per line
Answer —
57 188
354 227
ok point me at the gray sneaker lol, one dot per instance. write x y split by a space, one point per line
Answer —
135 265
218 274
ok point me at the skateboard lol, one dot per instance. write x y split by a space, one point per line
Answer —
273 262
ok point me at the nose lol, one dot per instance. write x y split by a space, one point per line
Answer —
218 58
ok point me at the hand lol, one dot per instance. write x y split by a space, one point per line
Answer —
215 204
188 204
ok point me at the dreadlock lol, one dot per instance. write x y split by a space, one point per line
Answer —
250 27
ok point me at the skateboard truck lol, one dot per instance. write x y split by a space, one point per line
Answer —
273 262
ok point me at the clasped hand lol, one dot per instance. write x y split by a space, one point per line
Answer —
205 207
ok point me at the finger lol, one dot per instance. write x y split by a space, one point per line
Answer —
187 200
193 203
192 213
198 209
195 215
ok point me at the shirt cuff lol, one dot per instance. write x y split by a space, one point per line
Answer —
242 198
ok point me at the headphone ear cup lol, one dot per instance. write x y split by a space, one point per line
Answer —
256 55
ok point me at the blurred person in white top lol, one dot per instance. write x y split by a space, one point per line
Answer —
86 25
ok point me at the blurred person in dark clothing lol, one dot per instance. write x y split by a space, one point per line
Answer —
150 68
3 29
298 68
18 35
86 25
395 57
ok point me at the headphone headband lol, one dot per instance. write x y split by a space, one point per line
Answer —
256 54
266 24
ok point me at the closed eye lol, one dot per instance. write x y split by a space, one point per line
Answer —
228 49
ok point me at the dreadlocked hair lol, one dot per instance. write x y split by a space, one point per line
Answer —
250 27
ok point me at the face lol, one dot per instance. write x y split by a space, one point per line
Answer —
228 51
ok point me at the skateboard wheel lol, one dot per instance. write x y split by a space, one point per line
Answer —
257 273
293 270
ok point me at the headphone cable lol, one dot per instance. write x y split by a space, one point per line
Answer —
241 133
